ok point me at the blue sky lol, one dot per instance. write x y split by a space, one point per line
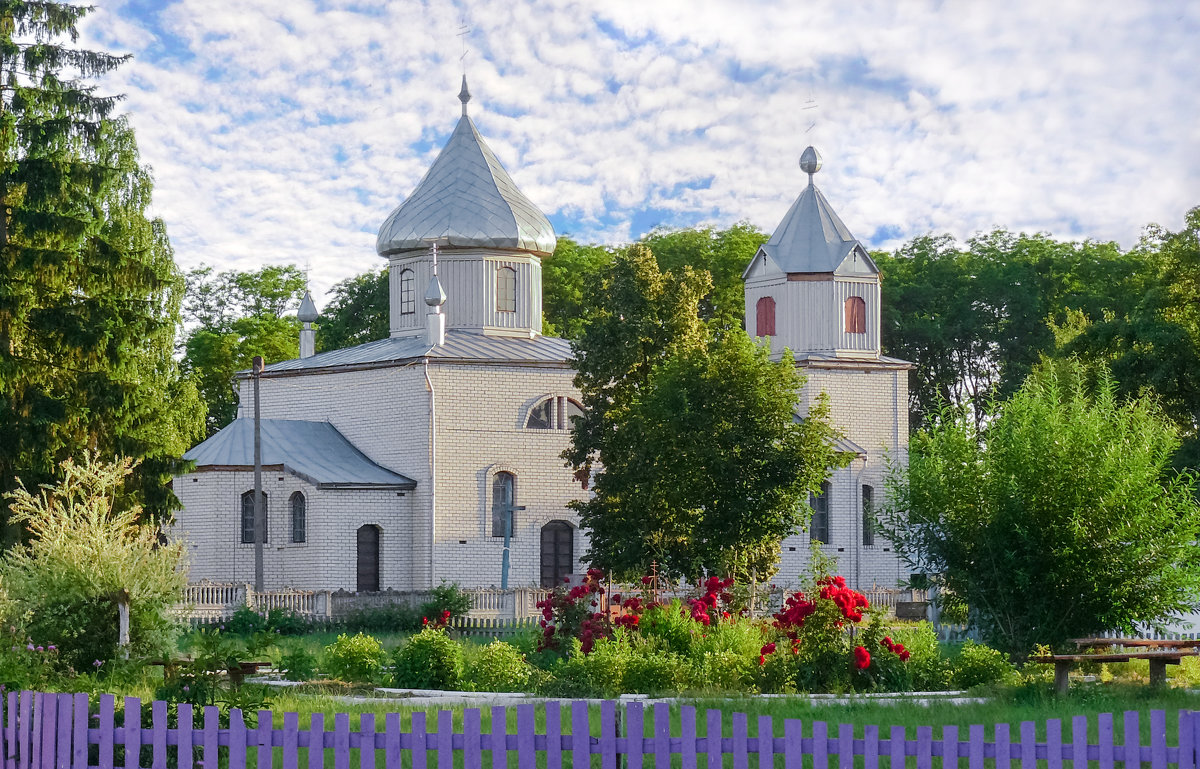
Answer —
285 131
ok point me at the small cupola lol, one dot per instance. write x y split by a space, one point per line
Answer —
307 315
812 287
490 240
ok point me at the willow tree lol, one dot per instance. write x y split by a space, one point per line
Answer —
89 290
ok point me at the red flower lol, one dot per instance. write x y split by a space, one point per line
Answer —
767 649
424 621
862 658
762 660
647 580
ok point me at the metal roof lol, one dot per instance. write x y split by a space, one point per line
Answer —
460 345
466 200
811 237
314 451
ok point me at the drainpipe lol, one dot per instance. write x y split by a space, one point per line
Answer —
432 474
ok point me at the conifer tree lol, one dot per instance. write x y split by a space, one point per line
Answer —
89 290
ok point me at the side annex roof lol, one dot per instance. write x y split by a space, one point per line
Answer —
314 451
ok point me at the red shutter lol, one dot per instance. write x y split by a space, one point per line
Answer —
764 324
856 315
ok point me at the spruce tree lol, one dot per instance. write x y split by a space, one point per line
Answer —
89 290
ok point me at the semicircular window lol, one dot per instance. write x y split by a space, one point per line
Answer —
541 416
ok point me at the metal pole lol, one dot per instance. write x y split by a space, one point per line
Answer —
260 533
508 526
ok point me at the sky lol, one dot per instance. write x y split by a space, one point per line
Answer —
285 131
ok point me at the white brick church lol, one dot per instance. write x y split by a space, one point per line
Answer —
393 464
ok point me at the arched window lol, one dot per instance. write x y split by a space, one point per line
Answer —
408 295
502 504
554 413
764 323
868 523
506 290
558 552
541 416
856 315
248 518
299 520
818 529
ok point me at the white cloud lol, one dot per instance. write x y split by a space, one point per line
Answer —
286 131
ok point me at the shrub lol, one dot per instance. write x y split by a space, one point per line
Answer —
671 626
447 597
298 664
429 660
246 622
723 671
286 622
650 671
390 618
978 664
84 553
498 667
356 658
598 674
26 665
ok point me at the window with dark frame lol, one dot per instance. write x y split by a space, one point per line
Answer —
818 529
856 315
506 289
558 552
502 501
554 413
408 296
868 515
299 518
248 518
541 416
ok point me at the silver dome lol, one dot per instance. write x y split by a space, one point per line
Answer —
466 200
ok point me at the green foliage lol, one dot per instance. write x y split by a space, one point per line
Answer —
723 254
977 664
389 618
598 674
298 664
670 626
498 667
287 622
447 596
214 677
704 467
25 665
89 290
246 621
239 315
429 660
357 313
1061 517
570 277
84 550
357 658
654 671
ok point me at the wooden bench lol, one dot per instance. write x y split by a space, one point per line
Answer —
1159 659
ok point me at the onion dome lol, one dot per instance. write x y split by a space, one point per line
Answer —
308 309
466 200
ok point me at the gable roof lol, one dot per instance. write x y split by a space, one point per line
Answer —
314 451
466 200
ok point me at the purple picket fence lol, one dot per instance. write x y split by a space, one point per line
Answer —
57 731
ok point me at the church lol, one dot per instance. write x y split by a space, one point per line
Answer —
399 463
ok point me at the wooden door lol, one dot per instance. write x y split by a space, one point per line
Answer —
558 552
368 559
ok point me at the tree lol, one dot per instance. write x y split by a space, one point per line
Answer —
570 277
239 315
89 291
702 464
357 314
87 552
1153 344
1060 517
975 320
724 254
